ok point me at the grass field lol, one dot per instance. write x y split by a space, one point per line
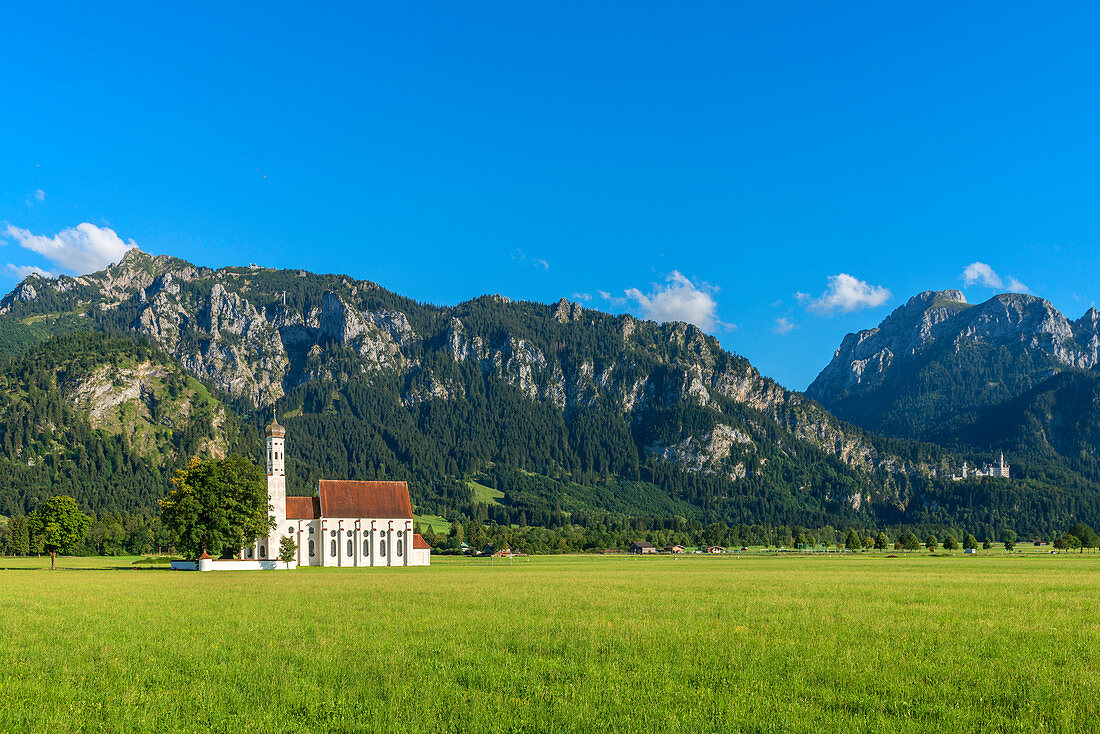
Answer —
558 644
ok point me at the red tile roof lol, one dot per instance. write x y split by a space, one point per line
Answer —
341 498
303 508
419 542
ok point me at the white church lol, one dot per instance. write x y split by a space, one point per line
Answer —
348 524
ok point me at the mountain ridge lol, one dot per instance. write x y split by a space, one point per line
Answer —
554 404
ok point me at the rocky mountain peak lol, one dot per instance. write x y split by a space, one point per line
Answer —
932 298
565 311
998 347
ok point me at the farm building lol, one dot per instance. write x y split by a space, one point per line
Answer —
714 549
639 547
674 549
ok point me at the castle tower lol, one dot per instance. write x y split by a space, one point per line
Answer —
276 485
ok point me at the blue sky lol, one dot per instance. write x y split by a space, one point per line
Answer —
781 173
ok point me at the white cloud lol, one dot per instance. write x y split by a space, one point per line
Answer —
677 299
586 297
84 248
984 275
39 195
977 272
22 271
783 325
846 294
535 262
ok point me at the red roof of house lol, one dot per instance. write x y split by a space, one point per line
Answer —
419 542
303 508
342 498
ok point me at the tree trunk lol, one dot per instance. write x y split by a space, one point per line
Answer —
53 559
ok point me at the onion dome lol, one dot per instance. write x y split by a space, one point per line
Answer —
274 429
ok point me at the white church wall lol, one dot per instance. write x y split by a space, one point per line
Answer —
364 542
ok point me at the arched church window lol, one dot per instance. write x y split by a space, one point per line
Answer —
311 547
263 551
333 553
382 548
311 531
249 554
399 548
351 547
366 546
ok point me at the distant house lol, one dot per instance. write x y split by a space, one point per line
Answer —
674 549
714 549
639 547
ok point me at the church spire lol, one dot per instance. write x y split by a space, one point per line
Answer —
274 429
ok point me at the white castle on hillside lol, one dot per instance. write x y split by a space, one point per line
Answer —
346 524
1000 470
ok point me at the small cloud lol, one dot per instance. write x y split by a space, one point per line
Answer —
84 248
677 299
520 256
776 303
845 294
783 325
982 274
22 271
582 297
39 195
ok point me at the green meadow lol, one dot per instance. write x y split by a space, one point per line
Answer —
824 643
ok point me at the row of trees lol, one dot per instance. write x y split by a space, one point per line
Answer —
617 535
221 505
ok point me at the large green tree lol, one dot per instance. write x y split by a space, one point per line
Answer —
59 524
217 505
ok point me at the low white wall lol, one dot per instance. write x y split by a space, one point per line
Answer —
252 565
420 557
234 565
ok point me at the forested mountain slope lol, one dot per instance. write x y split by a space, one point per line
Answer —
561 408
103 419
936 360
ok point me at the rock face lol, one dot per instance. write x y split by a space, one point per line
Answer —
135 400
955 356
257 334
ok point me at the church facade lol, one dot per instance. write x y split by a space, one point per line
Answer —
347 524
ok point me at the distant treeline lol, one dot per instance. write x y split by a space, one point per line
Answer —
117 534
110 534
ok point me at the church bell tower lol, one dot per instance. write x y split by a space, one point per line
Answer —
276 484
